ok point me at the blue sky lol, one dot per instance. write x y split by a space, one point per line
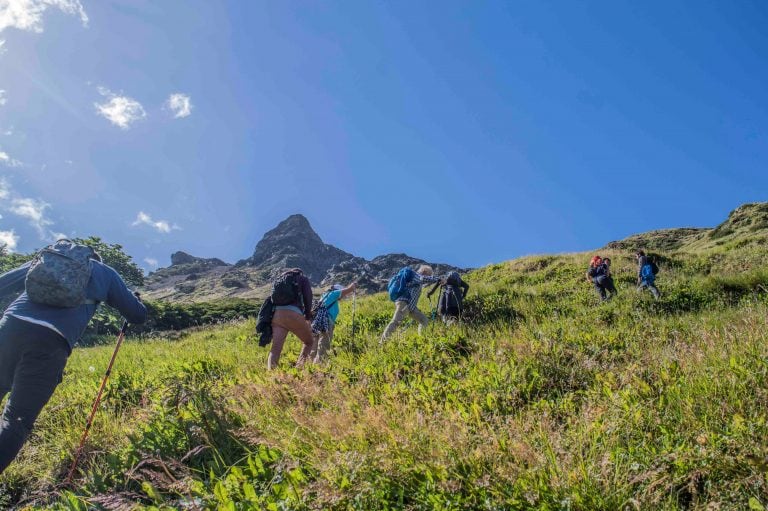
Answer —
464 132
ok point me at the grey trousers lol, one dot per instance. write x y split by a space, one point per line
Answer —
322 344
401 311
651 286
32 360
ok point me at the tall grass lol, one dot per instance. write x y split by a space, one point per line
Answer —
545 399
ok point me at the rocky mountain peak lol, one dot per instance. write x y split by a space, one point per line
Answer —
179 258
293 243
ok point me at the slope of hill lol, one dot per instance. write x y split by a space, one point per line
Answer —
293 243
543 399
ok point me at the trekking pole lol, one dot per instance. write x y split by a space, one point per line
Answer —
96 403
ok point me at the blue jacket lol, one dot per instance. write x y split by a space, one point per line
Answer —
105 286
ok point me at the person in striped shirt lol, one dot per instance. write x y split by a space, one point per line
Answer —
407 305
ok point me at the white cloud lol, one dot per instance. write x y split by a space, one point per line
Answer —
180 104
9 239
28 14
121 111
34 210
162 226
3 99
8 161
152 262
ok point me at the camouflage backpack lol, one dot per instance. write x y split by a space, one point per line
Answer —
59 275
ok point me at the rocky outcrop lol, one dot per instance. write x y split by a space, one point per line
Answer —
179 258
293 243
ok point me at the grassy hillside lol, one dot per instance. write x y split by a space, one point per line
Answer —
547 400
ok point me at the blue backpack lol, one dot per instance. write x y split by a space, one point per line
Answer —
647 273
399 283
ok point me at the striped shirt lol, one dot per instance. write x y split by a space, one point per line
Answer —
414 287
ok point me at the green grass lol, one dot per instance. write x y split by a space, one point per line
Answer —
548 400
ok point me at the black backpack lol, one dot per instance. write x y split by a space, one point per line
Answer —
453 279
285 290
451 299
654 267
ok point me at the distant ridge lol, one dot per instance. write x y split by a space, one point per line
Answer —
292 243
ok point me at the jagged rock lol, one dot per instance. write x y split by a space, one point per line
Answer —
185 288
293 243
233 283
179 258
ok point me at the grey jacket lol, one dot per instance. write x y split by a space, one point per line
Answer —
105 286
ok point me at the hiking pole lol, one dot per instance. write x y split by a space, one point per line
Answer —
96 403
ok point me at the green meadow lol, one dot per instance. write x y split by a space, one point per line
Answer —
542 398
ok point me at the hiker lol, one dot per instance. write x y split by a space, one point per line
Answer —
405 290
646 274
325 319
599 273
292 300
452 294
62 288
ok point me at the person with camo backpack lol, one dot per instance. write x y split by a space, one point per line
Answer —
61 288
292 300
324 321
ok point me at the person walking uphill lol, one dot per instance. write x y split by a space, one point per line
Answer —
405 290
646 274
453 291
292 299
599 273
62 288
325 319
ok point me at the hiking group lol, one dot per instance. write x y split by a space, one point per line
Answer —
63 285
599 274
291 309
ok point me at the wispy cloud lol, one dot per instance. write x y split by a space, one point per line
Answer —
162 226
8 161
28 14
121 111
180 104
3 99
34 211
9 240
151 262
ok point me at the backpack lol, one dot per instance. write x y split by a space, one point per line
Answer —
285 290
646 272
58 275
451 299
654 267
453 279
398 284
320 304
